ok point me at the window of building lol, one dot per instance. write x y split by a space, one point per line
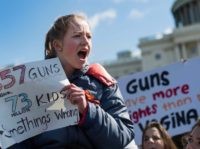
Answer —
157 56
191 49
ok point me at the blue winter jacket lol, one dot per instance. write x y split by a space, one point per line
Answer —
105 126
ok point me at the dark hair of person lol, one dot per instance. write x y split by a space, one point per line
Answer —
186 136
168 142
184 140
196 124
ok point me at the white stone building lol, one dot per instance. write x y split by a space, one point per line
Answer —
125 64
182 43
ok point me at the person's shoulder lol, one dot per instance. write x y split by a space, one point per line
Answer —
99 72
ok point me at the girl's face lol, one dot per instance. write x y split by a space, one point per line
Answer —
194 139
76 45
152 139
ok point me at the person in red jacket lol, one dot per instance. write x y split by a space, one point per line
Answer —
104 119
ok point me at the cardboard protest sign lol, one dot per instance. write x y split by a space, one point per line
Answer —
169 95
31 101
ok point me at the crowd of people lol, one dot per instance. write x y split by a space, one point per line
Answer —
155 136
104 119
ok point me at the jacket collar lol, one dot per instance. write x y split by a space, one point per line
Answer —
79 72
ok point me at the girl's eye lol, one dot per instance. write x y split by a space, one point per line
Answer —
89 36
190 140
77 35
155 138
146 138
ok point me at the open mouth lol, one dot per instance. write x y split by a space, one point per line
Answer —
82 54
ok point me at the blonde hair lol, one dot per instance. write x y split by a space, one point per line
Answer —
57 32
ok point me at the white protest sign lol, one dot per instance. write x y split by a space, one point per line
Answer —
31 101
169 95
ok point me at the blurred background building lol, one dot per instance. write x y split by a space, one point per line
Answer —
125 64
183 42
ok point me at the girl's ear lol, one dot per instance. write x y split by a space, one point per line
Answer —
57 45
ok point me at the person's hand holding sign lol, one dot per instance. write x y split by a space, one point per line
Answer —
76 96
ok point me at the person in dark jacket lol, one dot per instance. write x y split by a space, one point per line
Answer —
104 120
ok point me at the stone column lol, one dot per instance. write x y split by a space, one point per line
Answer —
198 47
191 12
177 53
184 51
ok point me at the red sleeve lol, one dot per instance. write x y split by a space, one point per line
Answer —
83 116
99 72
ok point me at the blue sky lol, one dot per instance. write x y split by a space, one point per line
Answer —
117 25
